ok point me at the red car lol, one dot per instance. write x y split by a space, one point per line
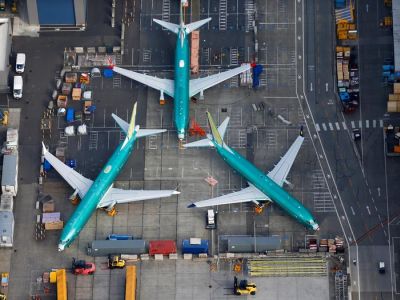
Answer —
81 267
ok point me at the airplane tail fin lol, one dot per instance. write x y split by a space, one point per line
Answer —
175 27
220 133
139 133
132 127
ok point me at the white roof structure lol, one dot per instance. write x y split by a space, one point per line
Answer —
396 33
4 32
5 48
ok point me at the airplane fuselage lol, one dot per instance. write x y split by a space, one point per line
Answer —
96 192
181 84
266 185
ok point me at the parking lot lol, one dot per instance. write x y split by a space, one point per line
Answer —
159 163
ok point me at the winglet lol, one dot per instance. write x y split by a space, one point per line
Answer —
191 205
301 131
132 123
214 131
44 150
132 128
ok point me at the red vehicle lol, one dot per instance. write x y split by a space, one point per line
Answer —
81 267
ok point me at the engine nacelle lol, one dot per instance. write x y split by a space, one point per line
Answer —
162 100
201 95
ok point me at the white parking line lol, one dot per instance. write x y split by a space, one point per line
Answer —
344 125
330 126
317 127
381 123
337 126
367 123
374 123
360 124
324 126
353 125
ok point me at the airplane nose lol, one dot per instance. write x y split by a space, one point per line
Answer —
61 247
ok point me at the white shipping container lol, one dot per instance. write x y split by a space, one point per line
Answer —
12 138
9 180
6 229
6 202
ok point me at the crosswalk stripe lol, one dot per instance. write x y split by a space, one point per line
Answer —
344 125
353 124
360 124
337 126
380 123
367 123
330 126
324 126
317 127
374 123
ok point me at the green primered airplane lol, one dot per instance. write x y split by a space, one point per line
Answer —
182 88
100 193
262 187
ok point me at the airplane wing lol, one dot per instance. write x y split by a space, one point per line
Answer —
115 196
75 180
281 170
165 85
201 84
248 194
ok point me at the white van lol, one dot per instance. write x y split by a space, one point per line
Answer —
20 63
17 87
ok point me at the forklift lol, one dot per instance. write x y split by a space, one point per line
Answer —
244 287
115 261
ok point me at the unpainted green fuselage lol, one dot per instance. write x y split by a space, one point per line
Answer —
266 185
181 84
96 192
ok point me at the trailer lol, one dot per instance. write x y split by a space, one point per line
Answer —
194 246
9 180
130 283
164 247
107 247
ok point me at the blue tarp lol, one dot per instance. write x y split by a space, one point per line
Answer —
257 70
46 166
108 73
70 115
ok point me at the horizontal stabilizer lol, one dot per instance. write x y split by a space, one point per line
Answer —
195 25
141 133
167 25
200 143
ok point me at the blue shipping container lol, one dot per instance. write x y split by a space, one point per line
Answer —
119 237
194 248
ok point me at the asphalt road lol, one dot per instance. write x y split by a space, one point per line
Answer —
358 168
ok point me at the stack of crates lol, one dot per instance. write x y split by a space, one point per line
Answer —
346 31
393 104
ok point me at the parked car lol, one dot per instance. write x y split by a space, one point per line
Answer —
356 134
